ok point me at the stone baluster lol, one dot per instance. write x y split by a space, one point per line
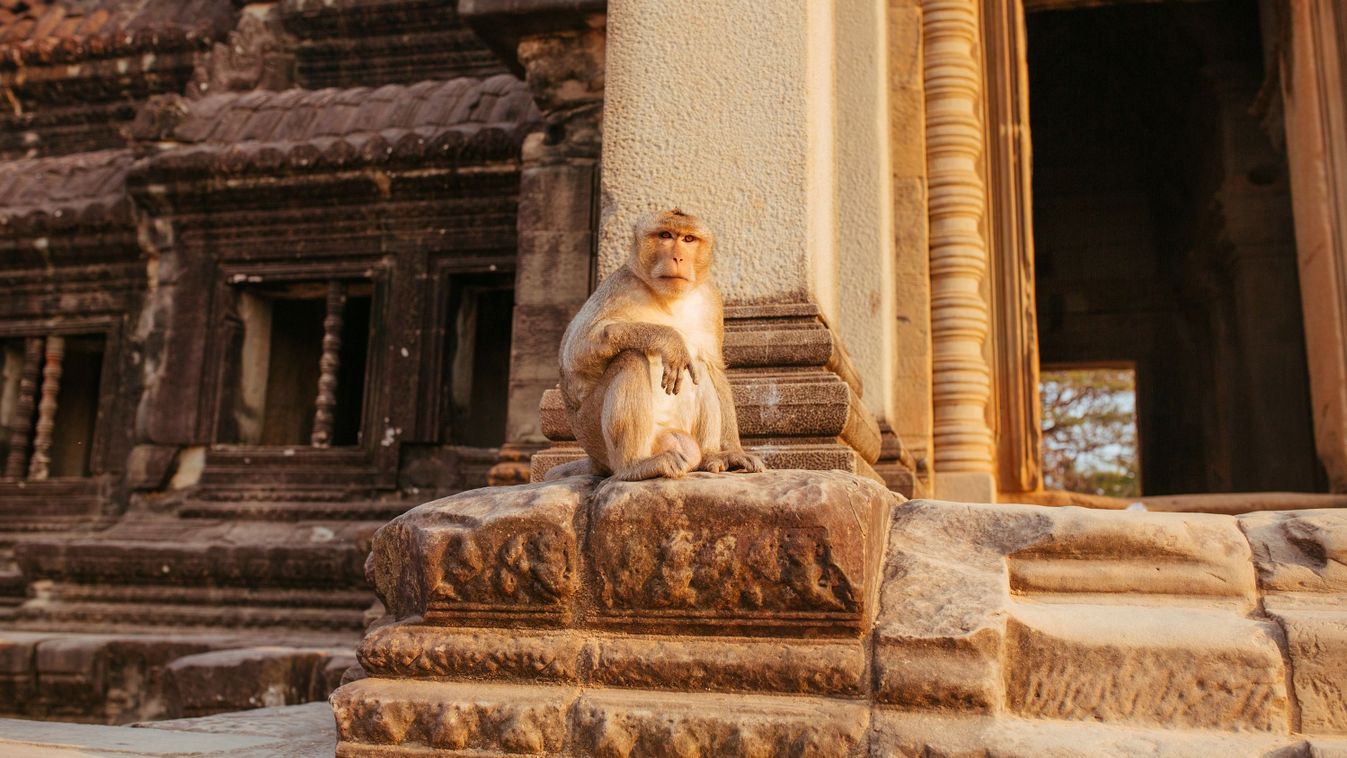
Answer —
959 311
39 468
17 462
325 406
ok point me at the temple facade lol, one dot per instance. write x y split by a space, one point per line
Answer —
277 272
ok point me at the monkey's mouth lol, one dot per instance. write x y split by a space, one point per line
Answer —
673 278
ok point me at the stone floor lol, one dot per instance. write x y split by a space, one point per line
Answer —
296 731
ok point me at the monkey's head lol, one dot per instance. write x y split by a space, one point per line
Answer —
672 254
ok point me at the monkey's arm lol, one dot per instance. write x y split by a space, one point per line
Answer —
664 341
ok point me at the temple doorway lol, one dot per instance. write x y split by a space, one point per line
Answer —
1164 239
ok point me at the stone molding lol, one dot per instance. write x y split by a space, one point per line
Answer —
1010 242
959 311
797 396
1313 75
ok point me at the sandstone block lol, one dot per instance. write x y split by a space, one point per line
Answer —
811 667
1317 643
245 678
18 678
944 600
619 724
1148 554
496 554
1175 667
1299 551
785 550
425 651
373 714
901 733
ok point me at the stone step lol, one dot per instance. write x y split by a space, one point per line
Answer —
13 586
42 614
722 664
171 551
389 717
896 733
1144 665
118 678
1148 557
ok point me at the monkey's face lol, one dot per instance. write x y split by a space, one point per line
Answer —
673 256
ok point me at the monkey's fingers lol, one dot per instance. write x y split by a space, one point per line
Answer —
692 372
677 381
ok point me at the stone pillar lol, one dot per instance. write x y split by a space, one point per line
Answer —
1313 77
959 311
700 118
1017 415
559 50
912 419
696 117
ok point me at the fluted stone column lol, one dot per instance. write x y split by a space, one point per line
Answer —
959 312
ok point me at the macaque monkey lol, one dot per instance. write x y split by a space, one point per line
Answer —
642 363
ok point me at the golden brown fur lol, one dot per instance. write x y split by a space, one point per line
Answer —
642 363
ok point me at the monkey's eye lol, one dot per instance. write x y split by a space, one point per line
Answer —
665 235
689 238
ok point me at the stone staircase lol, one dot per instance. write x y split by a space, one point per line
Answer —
1033 628
807 613
13 586
159 616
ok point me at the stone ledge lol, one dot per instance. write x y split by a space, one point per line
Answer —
385 718
921 734
788 552
1023 630
412 650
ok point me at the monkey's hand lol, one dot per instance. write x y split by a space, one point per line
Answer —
676 359
732 460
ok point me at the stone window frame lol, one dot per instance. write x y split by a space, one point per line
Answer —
27 504
363 462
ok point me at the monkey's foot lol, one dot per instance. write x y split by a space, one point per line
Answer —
732 460
671 464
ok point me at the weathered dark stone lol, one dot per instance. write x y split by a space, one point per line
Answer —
258 677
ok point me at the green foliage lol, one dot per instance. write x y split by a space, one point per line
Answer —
1090 431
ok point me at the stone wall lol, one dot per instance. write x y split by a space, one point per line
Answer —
204 205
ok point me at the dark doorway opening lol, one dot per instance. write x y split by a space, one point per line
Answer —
1164 240
477 359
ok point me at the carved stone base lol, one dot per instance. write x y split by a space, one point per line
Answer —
796 394
801 613
564 618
